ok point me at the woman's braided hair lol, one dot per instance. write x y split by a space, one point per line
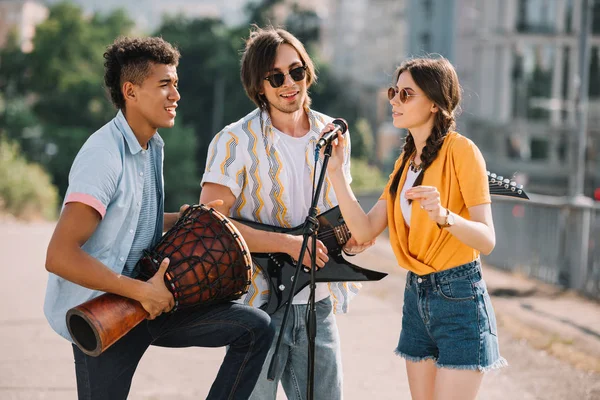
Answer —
439 81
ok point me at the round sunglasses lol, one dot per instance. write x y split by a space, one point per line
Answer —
404 95
277 79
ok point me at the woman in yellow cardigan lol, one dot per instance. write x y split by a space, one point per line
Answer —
437 208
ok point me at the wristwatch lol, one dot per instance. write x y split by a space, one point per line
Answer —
449 220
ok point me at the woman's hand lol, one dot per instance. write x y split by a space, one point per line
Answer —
352 247
428 198
336 161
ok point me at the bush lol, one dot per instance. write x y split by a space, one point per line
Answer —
366 178
182 183
26 190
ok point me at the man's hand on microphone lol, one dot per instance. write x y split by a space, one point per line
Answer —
337 154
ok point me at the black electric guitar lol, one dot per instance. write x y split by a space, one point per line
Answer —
500 186
280 267
333 232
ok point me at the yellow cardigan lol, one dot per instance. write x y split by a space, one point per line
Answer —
459 174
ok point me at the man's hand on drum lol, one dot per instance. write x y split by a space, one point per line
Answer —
296 246
213 204
157 299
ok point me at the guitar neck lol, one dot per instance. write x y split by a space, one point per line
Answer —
500 186
333 231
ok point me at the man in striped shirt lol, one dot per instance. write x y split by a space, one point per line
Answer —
114 209
262 167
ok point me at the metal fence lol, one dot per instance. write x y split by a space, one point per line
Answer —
549 238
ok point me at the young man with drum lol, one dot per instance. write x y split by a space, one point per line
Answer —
113 210
281 133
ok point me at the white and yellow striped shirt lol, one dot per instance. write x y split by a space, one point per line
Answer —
259 187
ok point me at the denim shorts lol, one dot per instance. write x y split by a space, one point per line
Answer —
448 317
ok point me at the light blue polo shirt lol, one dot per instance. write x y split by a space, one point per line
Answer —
108 174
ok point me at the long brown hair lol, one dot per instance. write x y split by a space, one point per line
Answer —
439 81
259 57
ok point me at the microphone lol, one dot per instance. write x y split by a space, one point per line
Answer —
340 126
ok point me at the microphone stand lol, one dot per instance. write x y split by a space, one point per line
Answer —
310 230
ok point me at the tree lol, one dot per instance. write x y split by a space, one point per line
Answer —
182 182
210 87
330 97
262 12
305 25
66 67
363 143
64 101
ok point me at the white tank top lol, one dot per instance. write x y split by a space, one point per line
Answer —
411 177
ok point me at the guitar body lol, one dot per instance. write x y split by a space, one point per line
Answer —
280 268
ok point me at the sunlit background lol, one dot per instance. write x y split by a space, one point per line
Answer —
530 71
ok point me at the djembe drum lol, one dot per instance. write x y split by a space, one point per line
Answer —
209 263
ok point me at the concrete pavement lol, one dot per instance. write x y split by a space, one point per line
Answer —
550 338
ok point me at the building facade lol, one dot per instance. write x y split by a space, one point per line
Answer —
364 41
518 61
20 17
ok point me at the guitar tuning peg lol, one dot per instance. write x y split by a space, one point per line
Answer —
500 178
493 175
513 183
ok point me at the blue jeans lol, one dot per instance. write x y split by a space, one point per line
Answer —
293 356
246 330
448 317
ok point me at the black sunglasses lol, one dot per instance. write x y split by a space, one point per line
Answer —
404 95
278 78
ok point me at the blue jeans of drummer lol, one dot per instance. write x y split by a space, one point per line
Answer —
246 330
293 356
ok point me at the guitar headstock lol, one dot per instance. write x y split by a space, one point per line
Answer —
500 186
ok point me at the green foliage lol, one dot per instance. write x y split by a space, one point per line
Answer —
182 182
25 188
66 67
12 61
211 92
305 25
363 143
329 96
59 150
366 178
52 99
56 93
261 12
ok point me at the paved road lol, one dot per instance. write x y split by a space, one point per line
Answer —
35 363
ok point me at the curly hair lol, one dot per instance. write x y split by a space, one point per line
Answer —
259 57
130 59
438 79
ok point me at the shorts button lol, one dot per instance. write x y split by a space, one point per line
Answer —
420 280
